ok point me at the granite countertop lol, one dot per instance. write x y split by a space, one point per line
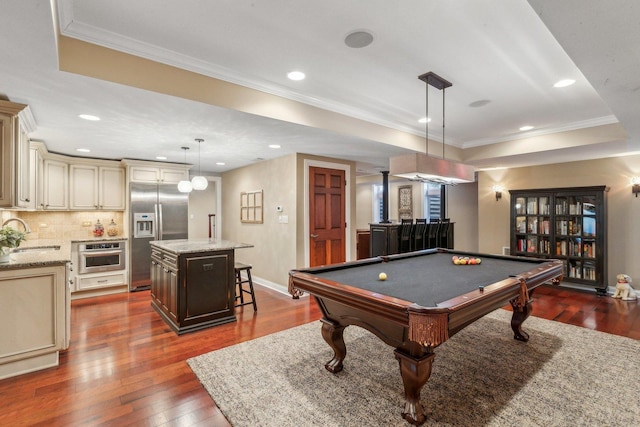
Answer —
46 252
98 239
184 246
38 256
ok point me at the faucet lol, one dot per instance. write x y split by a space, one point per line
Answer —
27 230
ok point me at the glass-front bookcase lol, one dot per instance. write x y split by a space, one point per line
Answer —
563 223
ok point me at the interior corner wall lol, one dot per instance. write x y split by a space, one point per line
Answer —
623 209
364 205
274 241
462 209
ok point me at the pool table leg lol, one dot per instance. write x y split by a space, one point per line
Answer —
415 372
333 335
520 313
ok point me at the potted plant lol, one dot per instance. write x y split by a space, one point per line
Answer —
9 238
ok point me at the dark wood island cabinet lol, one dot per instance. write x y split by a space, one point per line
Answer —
193 282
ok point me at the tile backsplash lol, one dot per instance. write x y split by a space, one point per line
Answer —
64 226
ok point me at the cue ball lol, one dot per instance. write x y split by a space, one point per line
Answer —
382 276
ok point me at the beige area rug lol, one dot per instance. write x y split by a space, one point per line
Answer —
564 376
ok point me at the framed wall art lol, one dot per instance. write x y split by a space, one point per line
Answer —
251 207
405 202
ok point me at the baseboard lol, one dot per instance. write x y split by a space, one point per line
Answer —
283 289
610 290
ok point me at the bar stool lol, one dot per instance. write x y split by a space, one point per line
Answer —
239 268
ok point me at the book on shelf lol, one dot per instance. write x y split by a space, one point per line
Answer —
561 247
543 227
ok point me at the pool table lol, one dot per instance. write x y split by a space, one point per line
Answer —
424 300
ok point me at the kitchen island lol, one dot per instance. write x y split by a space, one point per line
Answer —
193 282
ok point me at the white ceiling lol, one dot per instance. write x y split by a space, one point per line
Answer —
508 52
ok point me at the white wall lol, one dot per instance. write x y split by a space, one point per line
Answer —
201 204
462 209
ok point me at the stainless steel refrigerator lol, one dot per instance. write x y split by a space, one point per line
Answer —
158 212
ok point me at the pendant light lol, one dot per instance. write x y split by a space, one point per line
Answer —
199 182
185 186
422 167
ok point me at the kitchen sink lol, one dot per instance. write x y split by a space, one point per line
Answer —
37 249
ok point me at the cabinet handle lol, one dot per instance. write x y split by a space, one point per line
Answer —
103 281
313 236
27 200
166 270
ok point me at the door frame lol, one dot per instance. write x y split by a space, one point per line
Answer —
347 203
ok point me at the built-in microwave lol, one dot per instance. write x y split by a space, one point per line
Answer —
102 256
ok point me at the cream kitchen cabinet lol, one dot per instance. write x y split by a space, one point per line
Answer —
111 188
15 122
96 187
55 183
35 177
153 172
35 319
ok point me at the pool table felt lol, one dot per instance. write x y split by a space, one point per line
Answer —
427 280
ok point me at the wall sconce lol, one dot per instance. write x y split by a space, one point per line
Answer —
635 185
498 189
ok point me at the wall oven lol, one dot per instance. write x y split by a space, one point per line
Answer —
103 256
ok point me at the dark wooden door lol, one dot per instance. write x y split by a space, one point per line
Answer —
327 223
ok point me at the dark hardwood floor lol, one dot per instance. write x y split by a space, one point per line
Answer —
126 367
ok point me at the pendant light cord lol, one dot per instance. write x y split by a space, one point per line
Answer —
185 154
443 89
199 164
427 120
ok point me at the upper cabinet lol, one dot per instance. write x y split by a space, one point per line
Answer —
56 185
16 122
72 183
111 188
153 172
96 187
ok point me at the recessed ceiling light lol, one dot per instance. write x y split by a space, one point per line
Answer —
83 150
296 75
89 117
358 39
274 146
425 120
220 163
161 158
564 83
523 128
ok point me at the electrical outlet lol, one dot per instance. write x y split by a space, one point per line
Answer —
86 223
